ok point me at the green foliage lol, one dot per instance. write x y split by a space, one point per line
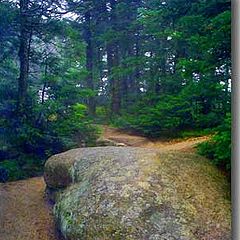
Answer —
169 115
218 149
102 115
76 125
24 166
28 143
156 67
195 133
14 172
55 118
185 75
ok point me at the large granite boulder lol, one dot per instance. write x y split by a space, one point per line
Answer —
137 194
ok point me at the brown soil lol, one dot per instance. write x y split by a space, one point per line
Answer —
26 215
118 136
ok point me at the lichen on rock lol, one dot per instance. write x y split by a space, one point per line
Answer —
120 193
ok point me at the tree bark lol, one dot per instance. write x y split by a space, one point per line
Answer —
115 93
23 58
137 74
113 61
89 62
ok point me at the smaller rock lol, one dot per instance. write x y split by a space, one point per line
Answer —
104 142
101 142
121 145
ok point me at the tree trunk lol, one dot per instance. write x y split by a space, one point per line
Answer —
23 58
113 61
89 62
137 74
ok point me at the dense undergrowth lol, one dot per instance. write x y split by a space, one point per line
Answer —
25 154
25 149
169 115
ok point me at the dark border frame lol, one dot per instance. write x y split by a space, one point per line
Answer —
235 174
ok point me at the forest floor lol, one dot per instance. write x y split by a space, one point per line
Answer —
26 215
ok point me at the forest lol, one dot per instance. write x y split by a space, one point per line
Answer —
158 68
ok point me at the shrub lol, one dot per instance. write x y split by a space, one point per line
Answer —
102 115
218 149
9 171
27 143
166 116
76 127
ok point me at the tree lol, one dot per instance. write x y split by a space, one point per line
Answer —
25 41
157 67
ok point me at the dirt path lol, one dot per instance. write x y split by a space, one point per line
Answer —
24 213
119 136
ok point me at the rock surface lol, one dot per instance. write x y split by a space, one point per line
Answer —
103 142
132 194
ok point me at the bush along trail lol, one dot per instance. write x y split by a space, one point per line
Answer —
26 214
